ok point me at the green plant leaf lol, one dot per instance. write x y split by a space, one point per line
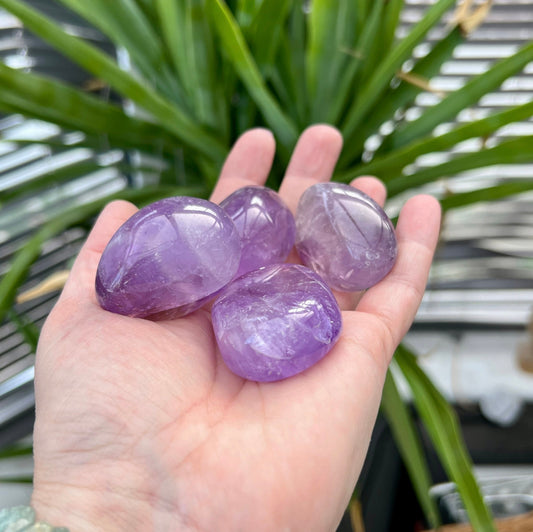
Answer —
171 17
362 9
265 32
125 24
28 330
346 87
289 78
147 7
29 253
410 447
210 105
245 13
237 51
443 428
391 164
17 449
516 150
16 480
390 23
169 116
374 88
67 172
496 192
51 100
460 99
189 39
321 54
402 96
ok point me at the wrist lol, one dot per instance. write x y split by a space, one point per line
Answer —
78 509
112 501
90 500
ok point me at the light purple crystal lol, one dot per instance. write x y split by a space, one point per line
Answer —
168 259
265 224
275 322
345 236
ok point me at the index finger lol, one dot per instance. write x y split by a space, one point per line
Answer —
80 283
248 163
313 161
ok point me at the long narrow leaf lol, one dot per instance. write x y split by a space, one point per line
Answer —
292 60
347 85
102 66
444 430
496 192
362 7
71 171
171 16
28 329
517 150
147 7
125 24
265 32
460 99
237 51
403 95
211 107
385 71
15 450
51 177
410 447
322 51
391 165
29 253
55 101
390 22
246 11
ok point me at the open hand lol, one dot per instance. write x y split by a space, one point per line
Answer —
140 425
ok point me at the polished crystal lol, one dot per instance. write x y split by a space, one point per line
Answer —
275 322
265 224
168 259
345 236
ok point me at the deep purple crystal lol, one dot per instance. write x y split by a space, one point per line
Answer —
168 259
265 224
275 322
345 236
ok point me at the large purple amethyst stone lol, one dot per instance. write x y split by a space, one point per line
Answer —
275 322
265 224
345 236
168 259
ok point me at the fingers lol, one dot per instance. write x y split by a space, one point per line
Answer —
248 163
312 161
81 280
391 305
372 187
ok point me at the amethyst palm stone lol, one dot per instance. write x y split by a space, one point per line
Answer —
275 322
168 259
345 236
265 224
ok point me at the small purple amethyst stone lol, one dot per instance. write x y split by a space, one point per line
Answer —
275 322
345 236
168 259
265 224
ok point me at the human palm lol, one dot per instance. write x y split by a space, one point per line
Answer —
140 425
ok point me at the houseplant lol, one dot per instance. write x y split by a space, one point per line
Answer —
202 71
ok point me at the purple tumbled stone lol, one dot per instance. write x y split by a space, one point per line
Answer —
345 236
265 224
275 322
168 259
